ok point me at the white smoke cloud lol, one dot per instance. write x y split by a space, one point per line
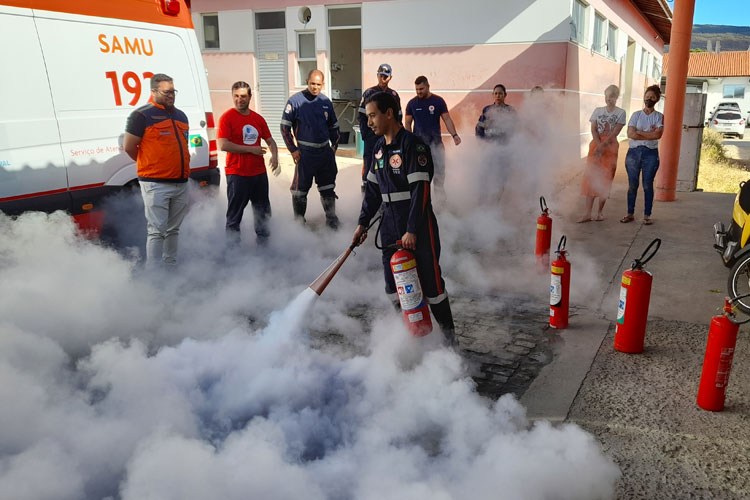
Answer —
205 382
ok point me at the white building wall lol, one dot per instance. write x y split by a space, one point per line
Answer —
715 94
236 31
436 23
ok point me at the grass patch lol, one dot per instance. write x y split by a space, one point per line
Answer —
718 173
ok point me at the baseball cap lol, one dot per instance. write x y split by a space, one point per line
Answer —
384 69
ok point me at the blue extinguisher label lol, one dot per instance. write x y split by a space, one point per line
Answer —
621 306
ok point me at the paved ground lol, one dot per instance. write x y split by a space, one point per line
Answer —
640 407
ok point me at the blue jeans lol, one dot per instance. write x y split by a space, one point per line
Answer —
646 160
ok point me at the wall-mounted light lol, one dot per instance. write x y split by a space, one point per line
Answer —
304 15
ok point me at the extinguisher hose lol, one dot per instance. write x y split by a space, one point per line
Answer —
378 218
731 317
640 262
543 205
561 245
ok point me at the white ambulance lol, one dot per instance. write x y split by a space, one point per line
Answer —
72 72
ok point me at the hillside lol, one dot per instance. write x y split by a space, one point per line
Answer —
731 37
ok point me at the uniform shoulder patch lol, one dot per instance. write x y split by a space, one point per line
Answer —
421 148
422 160
288 107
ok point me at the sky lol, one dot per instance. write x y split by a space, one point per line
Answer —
729 12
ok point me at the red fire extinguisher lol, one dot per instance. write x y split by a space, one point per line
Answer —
543 237
559 290
632 311
416 312
717 363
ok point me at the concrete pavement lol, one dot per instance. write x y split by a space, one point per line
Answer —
642 406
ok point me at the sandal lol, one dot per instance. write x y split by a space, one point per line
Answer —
627 218
647 221
599 218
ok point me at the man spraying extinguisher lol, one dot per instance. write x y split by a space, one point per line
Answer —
400 179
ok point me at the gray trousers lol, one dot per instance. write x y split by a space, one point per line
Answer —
165 204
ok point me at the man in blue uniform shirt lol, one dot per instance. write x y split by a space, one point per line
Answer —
311 133
425 111
400 180
368 136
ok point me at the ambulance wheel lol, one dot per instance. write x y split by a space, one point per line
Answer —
739 283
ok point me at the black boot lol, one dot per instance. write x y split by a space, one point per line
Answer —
329 207
299 206
444 318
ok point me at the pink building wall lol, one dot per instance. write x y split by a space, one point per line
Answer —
464 74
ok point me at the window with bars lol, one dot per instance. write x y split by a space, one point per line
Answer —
644 61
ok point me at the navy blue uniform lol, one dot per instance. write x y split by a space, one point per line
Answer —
368 136
497 123
400 179
313 122
426 114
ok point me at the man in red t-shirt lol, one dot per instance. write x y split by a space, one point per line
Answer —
240 132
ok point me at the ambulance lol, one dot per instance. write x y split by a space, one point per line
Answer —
72 72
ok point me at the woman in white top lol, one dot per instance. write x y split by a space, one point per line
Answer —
644 131
606 124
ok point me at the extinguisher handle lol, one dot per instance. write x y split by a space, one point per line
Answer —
543 205
561 245
639 263
730 315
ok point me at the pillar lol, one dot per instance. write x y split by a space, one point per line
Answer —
679 53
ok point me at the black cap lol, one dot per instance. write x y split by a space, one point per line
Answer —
384 69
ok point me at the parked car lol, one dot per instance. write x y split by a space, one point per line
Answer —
728 122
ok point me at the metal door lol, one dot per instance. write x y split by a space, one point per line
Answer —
272 86
690 142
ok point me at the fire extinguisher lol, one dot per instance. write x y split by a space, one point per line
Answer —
632 311
717 363
559 290
416 312
543 237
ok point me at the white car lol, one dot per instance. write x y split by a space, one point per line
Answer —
728 122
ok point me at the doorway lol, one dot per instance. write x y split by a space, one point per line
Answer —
345 42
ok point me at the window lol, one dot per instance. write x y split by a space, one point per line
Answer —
644 61
600 25
578 22
612 42
656 71
349 16
270 20
306 54
210 31
728 115
734 91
